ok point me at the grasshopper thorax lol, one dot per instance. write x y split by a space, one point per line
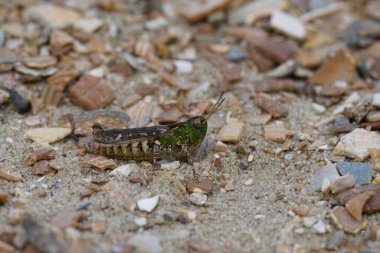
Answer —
197 129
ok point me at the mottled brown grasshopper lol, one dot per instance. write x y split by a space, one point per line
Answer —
152 143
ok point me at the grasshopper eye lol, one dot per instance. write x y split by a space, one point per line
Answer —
197 123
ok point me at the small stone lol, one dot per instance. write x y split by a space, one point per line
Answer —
60 42
99 162
203 186
183 67
309 221
308 59
231 132
229 187
220 147
198 199
355 144
10 177
99 227
34 73
41 154
196 11
335 240
249 182
48 134
171 166
342 183
3 197
122 171
273 107
148 204
41 168
376 100
88 25
319 108
288 24
360 171
141 221
341 67
52 15
319 227
243 165
355 205
65 218
344 221
146 243
277 133
373 204
342 125
110 119
277 50
191 215
325 188
327 172
142 113
39 62
376 180
373 116
284 70
236 54
198 246
302 212
219 48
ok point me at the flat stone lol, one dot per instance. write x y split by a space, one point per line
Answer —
342 183
65 218
376 180
278 51
373 204
148 204
171 166
277 133
203 186
340 67
110 119
284 70
361 33
327 172
376 100
231 132
236 54
275 108
309 221
251 34
33 72
361 171
48 134
373 116
320 227
342 125
288 24
308 59
184 67
122 171
335 240
230 71
52 15
355 144
355 205
198 199
197 10
39 61
146 243
60 42
41 168
98 162
91 93
88 25
344 221
41 154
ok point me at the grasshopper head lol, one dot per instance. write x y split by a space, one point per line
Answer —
197 129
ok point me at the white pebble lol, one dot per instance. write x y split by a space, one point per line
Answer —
170 166
147 204
122 171
184 67
376 100
141 221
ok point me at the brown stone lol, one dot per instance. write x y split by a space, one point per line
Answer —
3 197
308 59
340 67
99 227
110 119
41 168
262 62
343 220
90 93
60 43
372 205
274 85
145 49
99 162
231 132
204 186
65 218
273 107
39 62
122 248
120 67
142 113
170 116
41 154
197 10
10 177
355 205
199 246
253 35
277 133
230 71
302 212
277 50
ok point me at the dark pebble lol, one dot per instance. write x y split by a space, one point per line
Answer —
22 105
243 165
236 54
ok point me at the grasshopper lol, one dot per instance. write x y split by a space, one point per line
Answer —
152 143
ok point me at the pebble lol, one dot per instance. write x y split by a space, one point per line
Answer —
373 116
65 218
230 71
4 96
360 171
48 134
328 172
41 168
288 24
342 125
236 54
198 246
39 62
146 243
91 93
319 108
198 199
171 166
156 24
309 221
141 221
376 180
98 162
10 177
183 67
376 100
3 197
273 107
88 25
319 227
340 67
203 186
373 204
192 215
277 133
284 70
342 183
231 132
355 144
249 182
52 15
122 171
148 204
335 240
355 205
60 42
344 221
243 165
196 11
47 153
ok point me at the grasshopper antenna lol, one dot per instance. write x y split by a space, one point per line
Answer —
220 101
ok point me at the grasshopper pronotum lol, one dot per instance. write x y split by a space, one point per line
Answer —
151 143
